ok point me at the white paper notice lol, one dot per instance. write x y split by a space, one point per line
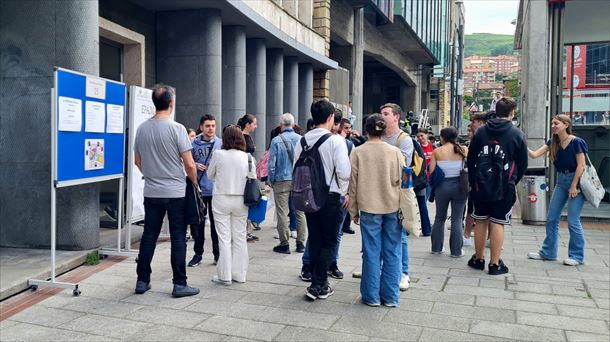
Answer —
70 114
114 123
95 117
96 88
94 154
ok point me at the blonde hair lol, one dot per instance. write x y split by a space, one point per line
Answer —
555 142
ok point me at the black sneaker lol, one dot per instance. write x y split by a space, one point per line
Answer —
498 269
195 261
142 286
305 274
325 292
251 238
256 226
300 248
284 249
311 293
349 231
478 264
215 260
184 291
334 272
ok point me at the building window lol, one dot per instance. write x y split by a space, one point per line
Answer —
433 94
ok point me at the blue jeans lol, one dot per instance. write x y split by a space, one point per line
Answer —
426 227
576 246
305 258
405 250
381 251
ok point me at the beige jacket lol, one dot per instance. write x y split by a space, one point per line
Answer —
375 182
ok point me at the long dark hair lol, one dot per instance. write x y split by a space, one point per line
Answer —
450 135
244 120
555 142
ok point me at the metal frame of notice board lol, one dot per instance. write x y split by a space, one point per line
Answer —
74 90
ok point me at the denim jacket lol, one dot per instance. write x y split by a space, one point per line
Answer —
280 163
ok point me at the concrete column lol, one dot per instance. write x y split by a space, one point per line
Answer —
256 90
233 73
305 93
357 72
291 86
189 47
36 36
275 89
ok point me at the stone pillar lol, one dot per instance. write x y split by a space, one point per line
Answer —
321 24
357 67
36 36
256 90
305 93
291 86
233 74
275 89
192 63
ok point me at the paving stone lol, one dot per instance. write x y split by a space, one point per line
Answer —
430 320
101 307
493 283
456 298
301 334
461 280
537 297
530 287
49 317
105 292
517 305
595 284
353 310
31 332
265 288
516 331
477 312
240 310
159 299
299 318
241 328
579 311
480 291
106 326
574 290
561 322
435 335
172 333
577 336
602 303
266 299
7 323
598 293
383 330
176 318
410 304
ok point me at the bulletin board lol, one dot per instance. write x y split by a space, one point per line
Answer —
88 133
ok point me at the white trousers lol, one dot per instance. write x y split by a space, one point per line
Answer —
230 216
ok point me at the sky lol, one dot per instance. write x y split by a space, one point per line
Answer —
490 16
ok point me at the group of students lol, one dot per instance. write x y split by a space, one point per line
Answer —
325 175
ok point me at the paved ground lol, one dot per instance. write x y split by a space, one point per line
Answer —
446 302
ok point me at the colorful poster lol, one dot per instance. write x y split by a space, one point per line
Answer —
94 154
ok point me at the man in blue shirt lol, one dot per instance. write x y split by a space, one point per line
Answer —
281 161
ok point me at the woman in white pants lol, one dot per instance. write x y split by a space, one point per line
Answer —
229 170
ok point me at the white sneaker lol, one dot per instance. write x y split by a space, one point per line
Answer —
293 234
571 262
467 241
405 281
357 274
535 256
458 256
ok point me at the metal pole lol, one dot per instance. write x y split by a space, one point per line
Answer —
53 229
120 215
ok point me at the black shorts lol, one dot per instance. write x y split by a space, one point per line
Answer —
498 212
469 206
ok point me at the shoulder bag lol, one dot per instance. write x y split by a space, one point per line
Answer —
252 192
590 185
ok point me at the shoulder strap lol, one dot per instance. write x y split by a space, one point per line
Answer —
321 140
287 148
400 138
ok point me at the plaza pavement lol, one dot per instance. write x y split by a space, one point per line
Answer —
447 301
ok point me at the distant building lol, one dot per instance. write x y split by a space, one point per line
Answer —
503 64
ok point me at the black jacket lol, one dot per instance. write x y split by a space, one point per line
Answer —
194 207
509 137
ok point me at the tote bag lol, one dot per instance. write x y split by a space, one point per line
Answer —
590 185
408 212
252 192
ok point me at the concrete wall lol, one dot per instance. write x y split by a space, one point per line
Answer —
36 36
136 19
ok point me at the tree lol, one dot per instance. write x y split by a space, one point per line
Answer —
467 100
512 85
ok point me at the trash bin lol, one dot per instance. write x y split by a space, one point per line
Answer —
532 192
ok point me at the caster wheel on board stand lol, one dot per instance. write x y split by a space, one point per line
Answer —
76 293
34 288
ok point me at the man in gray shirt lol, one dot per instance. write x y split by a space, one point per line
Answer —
163 155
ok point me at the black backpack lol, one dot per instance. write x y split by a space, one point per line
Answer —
493 170
309 188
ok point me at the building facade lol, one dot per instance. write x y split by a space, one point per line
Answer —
225 58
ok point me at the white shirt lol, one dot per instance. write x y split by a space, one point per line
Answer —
229 170
334 157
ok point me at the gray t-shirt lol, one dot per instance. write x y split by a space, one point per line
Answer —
159 143
406 145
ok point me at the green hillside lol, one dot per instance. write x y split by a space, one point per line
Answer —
487 44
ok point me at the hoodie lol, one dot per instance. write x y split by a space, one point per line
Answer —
510 139
202 154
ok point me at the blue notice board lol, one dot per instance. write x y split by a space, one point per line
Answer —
88 128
